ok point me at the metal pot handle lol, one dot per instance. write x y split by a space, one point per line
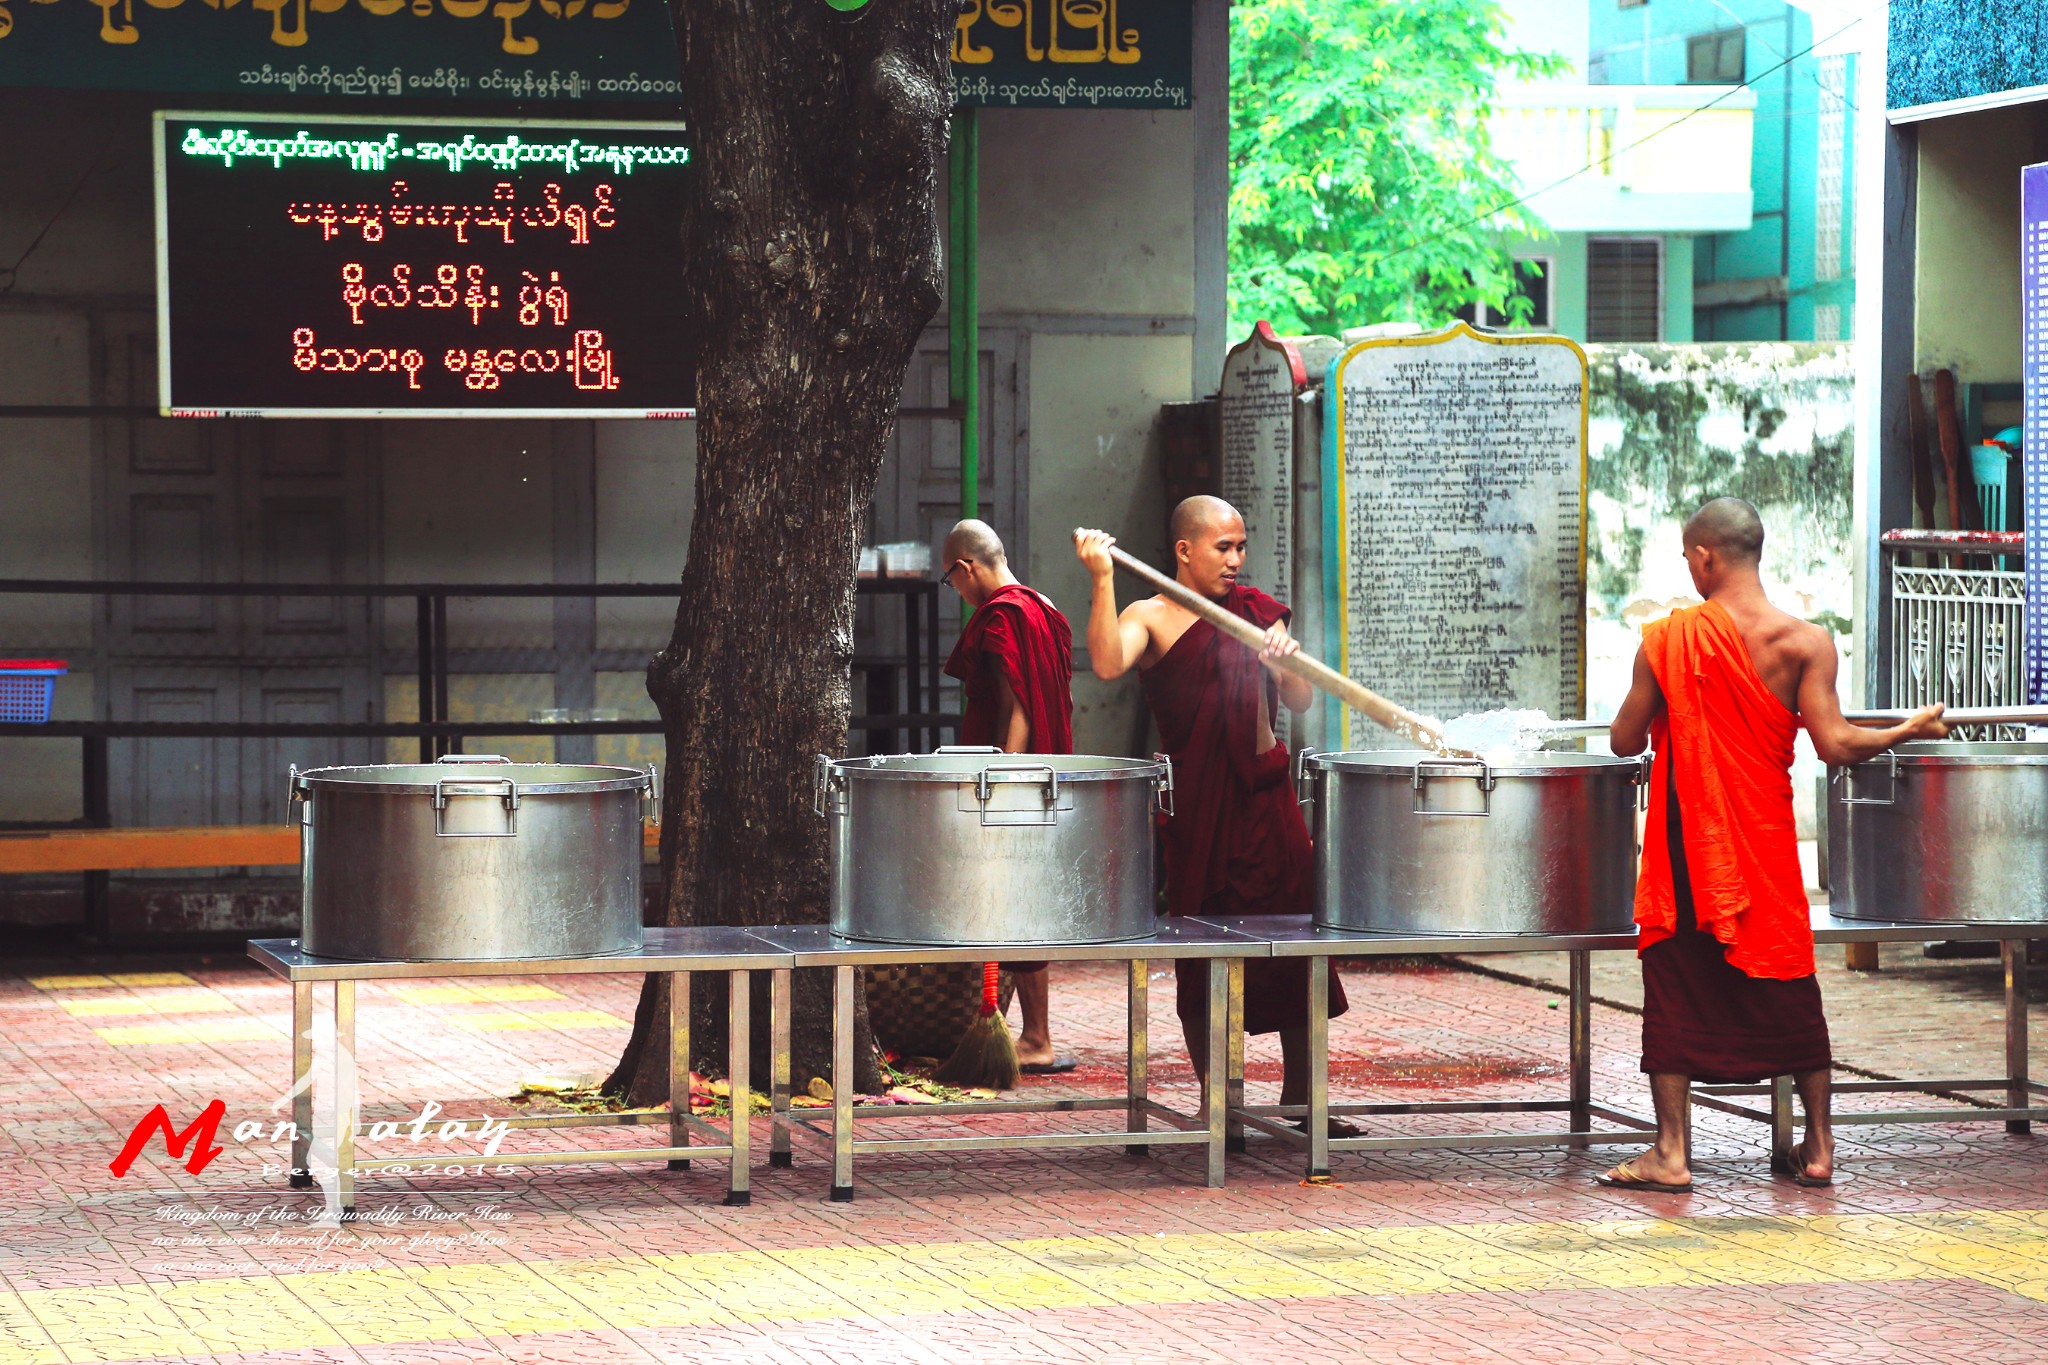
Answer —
967 749
824 779
510 797
1453 767
1302 795
1162 790
1847 780
989 778
292 794
653 794
1640 780
472 758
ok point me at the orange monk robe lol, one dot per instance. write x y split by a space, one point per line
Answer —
1731 739
1729 992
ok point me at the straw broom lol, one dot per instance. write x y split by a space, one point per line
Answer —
986 1056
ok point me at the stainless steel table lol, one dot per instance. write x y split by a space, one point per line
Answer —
2019 1111
677 952
816 946
1297 936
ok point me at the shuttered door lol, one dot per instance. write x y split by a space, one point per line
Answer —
1625 289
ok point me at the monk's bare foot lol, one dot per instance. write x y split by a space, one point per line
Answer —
1338 1128
1653 1170
1810 1164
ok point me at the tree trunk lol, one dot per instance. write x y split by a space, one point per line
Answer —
813 241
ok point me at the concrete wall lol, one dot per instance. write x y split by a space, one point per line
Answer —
1673 426
1966 304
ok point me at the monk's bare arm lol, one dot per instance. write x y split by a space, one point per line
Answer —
1835 738
1116 644
1629 735
1295 693
1012 723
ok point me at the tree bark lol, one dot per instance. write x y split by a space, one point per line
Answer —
814 248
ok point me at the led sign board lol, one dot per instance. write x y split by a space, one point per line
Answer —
337 267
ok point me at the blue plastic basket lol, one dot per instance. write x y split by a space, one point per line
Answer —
25 689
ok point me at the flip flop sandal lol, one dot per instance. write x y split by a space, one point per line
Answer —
1624 1177
1058 1066
1782 1163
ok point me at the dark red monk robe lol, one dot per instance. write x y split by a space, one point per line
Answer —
1236 843
1729 992
1019 634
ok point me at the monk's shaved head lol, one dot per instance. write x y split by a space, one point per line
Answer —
975 540
1730 528
1197 514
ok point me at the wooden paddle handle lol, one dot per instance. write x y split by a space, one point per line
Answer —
1419 730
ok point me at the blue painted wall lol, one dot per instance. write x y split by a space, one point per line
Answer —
1646 45
1956 49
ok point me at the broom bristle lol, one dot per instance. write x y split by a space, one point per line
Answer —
986 1057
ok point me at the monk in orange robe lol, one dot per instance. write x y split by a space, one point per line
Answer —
1724 933
1236 843
1015 662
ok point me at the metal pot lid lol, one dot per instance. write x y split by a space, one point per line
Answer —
420 779
1402 763
1946 753
966 766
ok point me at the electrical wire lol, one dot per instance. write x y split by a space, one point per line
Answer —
1566 179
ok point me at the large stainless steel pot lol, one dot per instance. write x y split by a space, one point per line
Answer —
977 847
1414 843
470 858
1940 831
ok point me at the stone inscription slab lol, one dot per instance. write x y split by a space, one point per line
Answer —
1454 523
1255 405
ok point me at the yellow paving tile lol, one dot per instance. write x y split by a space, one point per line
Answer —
195 1031
248 1315
69 983
199 1001
381 1307
564 1019
422 1304
455 995
755 1287
22 1339
506 1299
152 979
113 1322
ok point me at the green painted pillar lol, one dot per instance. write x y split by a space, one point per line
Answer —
963 301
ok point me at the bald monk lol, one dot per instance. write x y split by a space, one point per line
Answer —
1236 843
1729 993
1015 661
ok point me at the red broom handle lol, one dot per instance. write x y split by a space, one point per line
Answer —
989 973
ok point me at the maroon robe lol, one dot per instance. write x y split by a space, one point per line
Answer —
1236 843
1020 634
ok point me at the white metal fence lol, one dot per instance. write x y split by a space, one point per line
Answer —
1958 637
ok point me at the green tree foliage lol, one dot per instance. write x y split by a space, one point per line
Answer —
1360 161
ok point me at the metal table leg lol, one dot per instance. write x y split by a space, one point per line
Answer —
1581 1043
842 1084
738 1069
1318 1118
1233 1039
1781 1113
1137 1050
345 1104
779 1153
679 1066
2018 1093
1214 1106
302 1085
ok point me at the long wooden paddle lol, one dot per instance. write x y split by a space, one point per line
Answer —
1418 730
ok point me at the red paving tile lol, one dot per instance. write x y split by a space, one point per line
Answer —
1416 1031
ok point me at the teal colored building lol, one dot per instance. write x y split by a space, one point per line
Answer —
1789 276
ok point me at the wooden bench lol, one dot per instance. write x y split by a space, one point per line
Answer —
136 850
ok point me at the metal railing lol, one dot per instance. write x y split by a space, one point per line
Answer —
1958 629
